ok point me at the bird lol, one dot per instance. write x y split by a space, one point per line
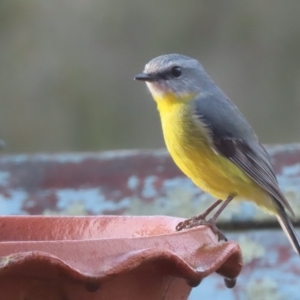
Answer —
211 141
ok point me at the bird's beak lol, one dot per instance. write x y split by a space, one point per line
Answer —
146 77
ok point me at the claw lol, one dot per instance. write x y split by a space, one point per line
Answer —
190 223
197 221
200 220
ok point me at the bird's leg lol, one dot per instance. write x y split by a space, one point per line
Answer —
223 206
200 220
189 222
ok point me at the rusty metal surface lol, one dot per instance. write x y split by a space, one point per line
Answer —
123 182
148 183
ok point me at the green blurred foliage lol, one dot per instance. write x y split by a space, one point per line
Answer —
67 67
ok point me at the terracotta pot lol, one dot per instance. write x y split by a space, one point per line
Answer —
108 257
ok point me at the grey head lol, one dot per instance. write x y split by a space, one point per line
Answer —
175 73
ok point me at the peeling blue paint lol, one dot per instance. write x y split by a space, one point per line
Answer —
14 204
92 200
133 182
291 170
4 176
149 189
286 148
77 157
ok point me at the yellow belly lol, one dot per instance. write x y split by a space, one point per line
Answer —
210 171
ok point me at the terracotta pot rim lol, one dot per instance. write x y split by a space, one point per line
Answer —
79 252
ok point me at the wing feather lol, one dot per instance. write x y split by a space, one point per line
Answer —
255 165
233 137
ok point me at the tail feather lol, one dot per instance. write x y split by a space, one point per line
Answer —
288 229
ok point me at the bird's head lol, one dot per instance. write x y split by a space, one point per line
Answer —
174 78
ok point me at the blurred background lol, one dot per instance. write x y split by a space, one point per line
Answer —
67 68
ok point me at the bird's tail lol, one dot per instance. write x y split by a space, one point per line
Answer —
288 229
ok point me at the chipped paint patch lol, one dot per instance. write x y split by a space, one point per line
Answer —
93 200
75 209
291 170
264 289
14 204
177 198
149 190
4 176
251 250
78 157
133 182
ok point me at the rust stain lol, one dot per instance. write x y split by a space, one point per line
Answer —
123 182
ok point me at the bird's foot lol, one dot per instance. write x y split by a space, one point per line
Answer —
200 220
191 222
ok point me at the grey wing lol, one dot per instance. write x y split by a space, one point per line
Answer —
233 137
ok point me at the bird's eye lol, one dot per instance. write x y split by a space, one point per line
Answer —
176 71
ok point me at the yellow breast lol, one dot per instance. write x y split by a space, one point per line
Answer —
194 155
